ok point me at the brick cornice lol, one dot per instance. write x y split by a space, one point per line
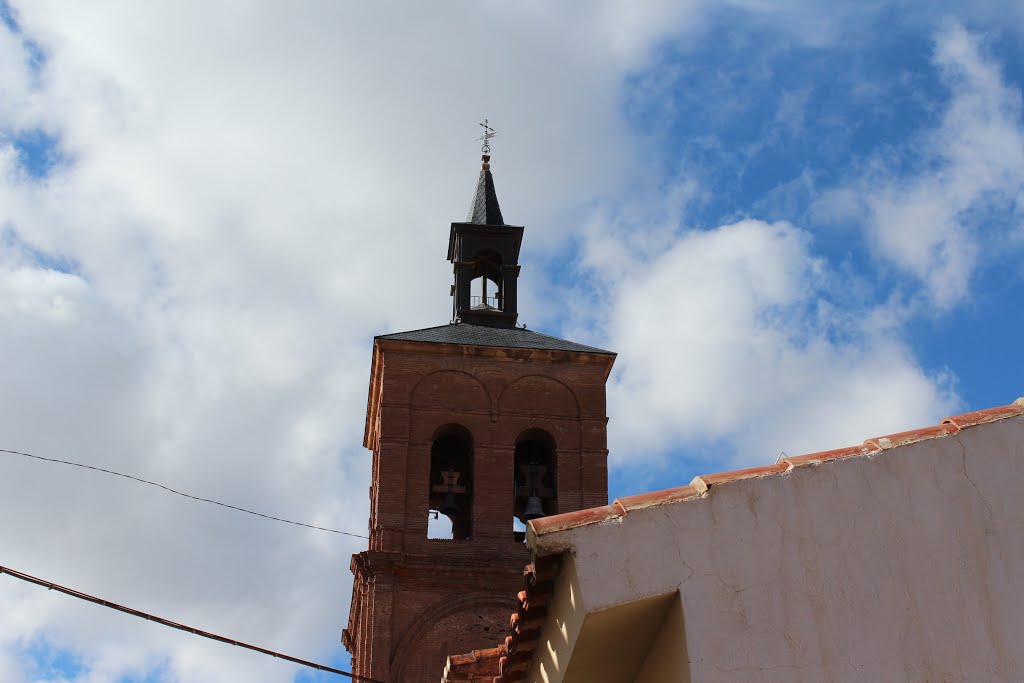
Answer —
370 563
528 355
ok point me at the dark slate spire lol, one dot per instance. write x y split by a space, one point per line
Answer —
485 209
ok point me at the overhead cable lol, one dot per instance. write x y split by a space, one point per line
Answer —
181 627
182 493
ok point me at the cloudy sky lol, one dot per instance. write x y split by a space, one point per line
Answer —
799 227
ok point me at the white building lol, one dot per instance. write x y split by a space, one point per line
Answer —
901 559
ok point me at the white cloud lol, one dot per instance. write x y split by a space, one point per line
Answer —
931 222
254 192
727 335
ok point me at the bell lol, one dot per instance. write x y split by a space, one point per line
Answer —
534 509
449 507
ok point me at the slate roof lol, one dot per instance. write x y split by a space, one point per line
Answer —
485 209
481 335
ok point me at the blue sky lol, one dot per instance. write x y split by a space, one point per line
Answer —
770 129
798 226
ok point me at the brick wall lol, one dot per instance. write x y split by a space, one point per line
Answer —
416 600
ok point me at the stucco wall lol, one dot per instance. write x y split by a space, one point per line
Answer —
907 565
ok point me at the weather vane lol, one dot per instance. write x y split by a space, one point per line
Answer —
486 137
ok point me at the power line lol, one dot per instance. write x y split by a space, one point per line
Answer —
182 493
173 624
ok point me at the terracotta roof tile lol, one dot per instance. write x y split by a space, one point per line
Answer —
825 456
914 435
524 624
477 666
978 417
568 520
646 500
706 481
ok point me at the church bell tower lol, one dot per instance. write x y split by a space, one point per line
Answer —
478 423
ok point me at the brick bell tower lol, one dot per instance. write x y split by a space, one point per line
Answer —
480 423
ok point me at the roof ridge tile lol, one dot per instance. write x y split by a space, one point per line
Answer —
826 456
640 501
888 441
709 480
977 417
569 520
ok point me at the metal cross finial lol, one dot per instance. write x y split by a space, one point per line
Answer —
486 137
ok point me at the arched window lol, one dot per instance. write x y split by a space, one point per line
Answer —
535 478
485 291
451 480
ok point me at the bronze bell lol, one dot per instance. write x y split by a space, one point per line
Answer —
534 508
449 507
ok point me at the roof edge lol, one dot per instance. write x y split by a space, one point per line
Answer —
586 348
701 485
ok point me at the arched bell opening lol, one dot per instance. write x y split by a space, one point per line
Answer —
486 289
451 482
535 478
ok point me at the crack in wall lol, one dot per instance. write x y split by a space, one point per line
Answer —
967 476
679 550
